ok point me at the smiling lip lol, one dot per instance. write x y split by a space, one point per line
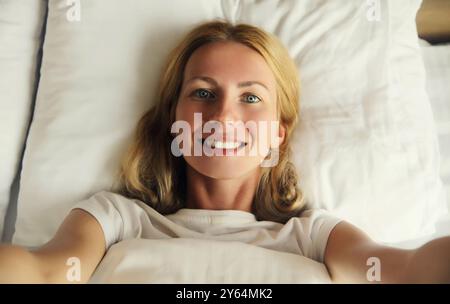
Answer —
224 145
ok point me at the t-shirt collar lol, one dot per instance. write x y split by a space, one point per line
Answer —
212 217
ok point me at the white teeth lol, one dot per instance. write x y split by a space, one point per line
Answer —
226 145
213 144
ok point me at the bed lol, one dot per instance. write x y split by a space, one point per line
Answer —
80 74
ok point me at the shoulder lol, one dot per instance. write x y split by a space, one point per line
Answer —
108 195
109 199
113 208
120 217
316 217
313 228
318 222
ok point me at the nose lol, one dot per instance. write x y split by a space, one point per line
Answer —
224 110
226 118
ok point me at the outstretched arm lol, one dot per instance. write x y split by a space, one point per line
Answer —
352 257
80 239
430 263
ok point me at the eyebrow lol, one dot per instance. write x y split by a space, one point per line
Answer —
240 85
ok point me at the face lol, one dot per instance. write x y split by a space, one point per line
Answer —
228 99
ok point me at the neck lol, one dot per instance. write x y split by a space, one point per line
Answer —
204 192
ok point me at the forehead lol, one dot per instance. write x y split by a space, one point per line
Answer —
229 60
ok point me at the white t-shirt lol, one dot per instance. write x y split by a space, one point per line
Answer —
122 218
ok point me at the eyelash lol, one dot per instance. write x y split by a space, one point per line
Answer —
199 90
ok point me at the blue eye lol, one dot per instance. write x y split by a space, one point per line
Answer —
202 93
253 99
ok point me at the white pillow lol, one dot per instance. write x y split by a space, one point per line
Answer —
99 75
366 147
437 64
143 261
360 150
21 24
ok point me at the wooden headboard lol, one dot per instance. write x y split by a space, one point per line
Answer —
433 21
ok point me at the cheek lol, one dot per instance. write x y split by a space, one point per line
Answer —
263 115
265 111
264 129
186 110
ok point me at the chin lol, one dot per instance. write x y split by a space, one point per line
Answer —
223 168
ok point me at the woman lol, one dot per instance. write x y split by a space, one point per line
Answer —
207 152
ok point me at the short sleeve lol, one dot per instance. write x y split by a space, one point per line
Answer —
315 228
117 215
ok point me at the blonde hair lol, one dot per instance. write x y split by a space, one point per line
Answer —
151 173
